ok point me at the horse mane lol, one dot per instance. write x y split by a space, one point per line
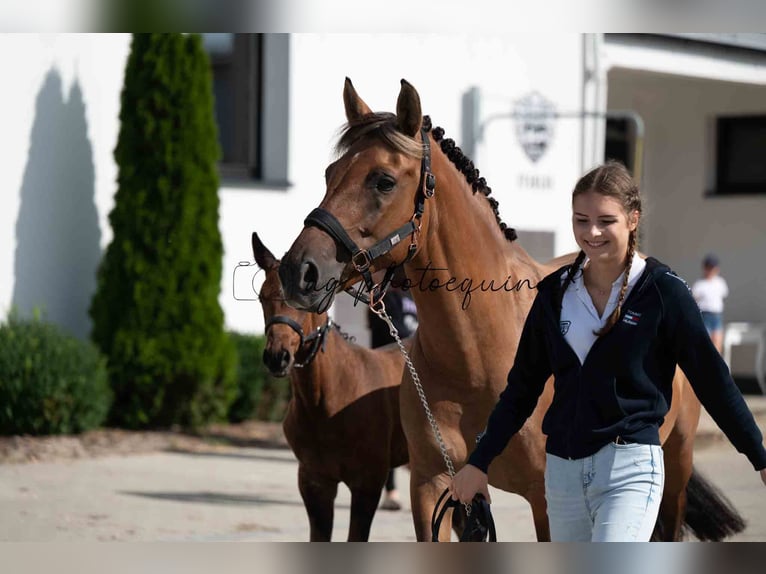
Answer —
382 126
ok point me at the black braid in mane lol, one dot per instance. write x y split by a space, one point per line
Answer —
471 173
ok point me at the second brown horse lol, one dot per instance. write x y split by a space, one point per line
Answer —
342 422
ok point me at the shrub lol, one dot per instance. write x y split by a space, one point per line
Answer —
50 382
259 395
155 312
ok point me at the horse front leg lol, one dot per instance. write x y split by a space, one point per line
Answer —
535 495
318 496
424 492
364 503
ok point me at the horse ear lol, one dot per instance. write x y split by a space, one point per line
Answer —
408 112
263 256
355 106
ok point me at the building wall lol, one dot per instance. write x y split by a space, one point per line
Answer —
60 104
682 221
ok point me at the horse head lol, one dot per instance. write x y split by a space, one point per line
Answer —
368 219
286 328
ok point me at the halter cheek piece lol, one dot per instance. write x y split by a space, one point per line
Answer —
363 259
317 337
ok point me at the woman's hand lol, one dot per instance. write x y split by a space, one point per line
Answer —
467 482
762 471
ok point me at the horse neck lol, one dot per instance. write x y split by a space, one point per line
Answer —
463 239
315 386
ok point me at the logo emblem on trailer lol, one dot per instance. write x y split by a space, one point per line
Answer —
535 117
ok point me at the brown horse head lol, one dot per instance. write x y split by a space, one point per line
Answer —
285 327
371 192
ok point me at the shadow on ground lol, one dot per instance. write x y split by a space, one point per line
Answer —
219 498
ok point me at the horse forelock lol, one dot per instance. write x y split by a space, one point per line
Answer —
380 126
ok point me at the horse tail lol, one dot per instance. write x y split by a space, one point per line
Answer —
710 516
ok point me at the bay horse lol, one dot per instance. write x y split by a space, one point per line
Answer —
473 285
342 421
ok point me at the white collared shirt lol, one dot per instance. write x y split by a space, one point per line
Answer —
579 317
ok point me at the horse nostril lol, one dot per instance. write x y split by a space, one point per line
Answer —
277 362
268 359
309 274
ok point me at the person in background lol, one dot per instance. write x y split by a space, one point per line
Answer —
401 308
709 292
611 328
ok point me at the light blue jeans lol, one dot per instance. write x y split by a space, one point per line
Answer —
611 496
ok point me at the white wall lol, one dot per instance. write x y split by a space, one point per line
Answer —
60 104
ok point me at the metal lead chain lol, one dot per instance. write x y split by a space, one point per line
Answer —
380 310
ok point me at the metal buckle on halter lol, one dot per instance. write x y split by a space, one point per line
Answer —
361 260
429 185
417 222
376 299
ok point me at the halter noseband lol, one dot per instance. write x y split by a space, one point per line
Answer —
317 336
362 259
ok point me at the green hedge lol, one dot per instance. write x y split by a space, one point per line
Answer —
50 382
259 395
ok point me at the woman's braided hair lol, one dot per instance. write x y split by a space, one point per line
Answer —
613 180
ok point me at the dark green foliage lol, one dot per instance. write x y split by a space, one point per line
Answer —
259 395
50 382
155 312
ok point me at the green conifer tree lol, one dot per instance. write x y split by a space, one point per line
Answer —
155 313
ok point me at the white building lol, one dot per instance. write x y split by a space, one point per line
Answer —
281 104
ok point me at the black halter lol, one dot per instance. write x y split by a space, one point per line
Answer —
317 337
362 259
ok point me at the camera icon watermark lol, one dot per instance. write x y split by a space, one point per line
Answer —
247 281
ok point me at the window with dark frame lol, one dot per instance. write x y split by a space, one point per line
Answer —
236 65
740 155
619 144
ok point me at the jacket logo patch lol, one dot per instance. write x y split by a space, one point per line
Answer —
565 326
631 318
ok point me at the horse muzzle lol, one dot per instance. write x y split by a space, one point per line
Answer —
306 286
278 363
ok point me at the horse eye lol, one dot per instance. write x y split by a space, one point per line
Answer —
385 184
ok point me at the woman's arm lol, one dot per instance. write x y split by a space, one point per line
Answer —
526 382
707 372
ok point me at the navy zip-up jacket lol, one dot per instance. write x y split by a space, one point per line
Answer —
624 387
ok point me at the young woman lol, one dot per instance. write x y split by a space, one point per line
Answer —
610 328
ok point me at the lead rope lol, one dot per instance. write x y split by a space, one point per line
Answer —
381 312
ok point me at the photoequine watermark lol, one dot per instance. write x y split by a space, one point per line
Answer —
247 276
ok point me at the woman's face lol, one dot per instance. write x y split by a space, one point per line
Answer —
601 227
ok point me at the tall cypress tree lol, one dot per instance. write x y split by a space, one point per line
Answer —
155 313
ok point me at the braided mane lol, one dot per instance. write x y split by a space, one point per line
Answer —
471 173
